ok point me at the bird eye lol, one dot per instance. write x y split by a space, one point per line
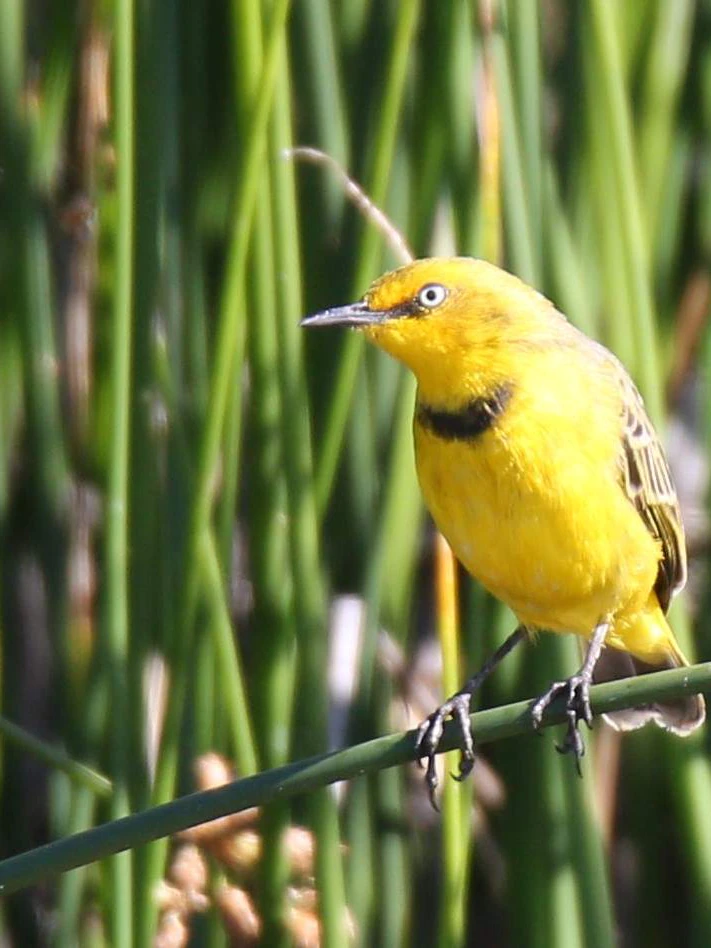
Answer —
432 295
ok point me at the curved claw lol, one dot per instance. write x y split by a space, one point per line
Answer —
577 705
466 765
429 735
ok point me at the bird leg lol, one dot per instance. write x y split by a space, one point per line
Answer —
457 707
577 701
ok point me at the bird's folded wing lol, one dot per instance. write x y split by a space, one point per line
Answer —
648 483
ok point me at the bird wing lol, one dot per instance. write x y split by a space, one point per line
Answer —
648 483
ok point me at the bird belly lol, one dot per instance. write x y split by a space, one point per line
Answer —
560 552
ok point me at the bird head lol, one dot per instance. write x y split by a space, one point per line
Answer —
444 315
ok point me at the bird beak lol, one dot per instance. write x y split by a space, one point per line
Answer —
355 314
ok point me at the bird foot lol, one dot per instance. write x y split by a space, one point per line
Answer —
429 735
577 708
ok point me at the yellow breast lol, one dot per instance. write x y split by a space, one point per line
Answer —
534 510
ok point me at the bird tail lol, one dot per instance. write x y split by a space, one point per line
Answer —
680 716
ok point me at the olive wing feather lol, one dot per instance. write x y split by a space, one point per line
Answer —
648 483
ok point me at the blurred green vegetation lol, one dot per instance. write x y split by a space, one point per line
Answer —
189 489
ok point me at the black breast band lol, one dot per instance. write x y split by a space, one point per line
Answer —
468 422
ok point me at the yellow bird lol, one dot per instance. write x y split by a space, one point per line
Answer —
540 466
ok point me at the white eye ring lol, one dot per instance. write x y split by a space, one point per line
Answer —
432 295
